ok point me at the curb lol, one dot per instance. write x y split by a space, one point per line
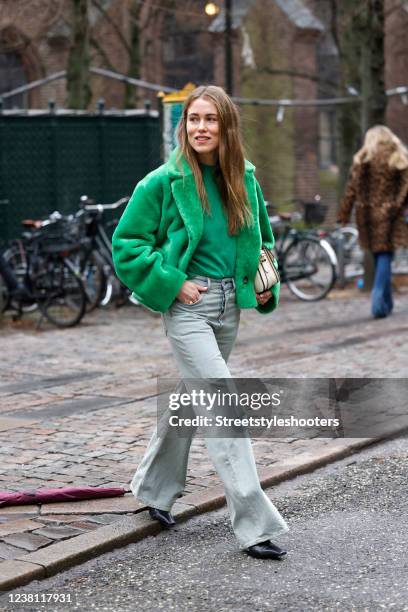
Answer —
57 557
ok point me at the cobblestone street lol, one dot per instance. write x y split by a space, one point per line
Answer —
78 406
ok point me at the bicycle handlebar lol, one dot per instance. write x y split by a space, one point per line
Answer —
102 207
285 218
40 223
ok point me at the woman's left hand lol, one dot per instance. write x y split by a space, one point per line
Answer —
263 297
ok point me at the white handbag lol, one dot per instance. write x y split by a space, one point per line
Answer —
267 274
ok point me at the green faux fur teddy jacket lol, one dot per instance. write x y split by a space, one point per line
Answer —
160 230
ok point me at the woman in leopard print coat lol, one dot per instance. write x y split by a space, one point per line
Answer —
378 188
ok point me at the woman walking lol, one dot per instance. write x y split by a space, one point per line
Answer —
378 187
188 245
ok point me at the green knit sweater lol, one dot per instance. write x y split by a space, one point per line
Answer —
216 252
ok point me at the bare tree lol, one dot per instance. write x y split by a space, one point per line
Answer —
358 30
374 100
134 54
79 91
140 15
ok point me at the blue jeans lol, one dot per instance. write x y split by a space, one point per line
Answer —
201 337
381 297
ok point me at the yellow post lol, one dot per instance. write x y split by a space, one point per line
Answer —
171 106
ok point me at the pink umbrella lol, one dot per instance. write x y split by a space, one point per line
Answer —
42 496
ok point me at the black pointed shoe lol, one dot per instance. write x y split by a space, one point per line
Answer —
265 550
164 517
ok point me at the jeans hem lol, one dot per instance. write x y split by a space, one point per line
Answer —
152 504
265 537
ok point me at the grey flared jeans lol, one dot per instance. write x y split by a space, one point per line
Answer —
202 336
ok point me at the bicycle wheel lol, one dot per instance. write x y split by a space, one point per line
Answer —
114 289
17 260
308 269
94 279
61 294
107 297
353 253
4 295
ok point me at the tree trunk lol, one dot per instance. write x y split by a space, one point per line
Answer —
131 98
348 140
79 91
345 32
360 39
374 102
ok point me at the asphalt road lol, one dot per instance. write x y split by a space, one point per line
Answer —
347 551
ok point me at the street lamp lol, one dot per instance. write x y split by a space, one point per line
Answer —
228 47
211 9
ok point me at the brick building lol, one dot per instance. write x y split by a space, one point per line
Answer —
396 73
273 46
279 38
281 49
35 37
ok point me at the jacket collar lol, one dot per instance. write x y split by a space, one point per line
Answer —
180 169
188 202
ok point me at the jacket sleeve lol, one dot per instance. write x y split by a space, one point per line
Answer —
268 240
349 197
138 261
402 197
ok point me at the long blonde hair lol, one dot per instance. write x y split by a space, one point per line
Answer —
379 138
231 162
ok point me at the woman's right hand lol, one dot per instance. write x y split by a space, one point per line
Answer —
190 292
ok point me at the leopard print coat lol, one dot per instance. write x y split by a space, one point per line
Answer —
378 193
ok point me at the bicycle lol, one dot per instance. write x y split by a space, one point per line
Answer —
307 263
40 260
349 253
95 260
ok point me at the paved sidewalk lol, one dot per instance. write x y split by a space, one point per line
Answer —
78 407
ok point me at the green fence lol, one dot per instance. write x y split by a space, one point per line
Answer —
48 161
